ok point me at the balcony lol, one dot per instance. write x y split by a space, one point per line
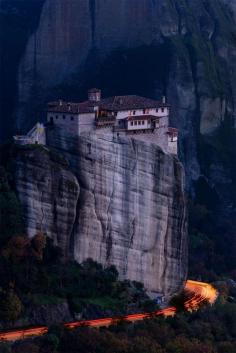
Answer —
105 121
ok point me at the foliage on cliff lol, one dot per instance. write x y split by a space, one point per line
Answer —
41 278
11 222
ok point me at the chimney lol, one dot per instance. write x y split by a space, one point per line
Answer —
164 99
94 95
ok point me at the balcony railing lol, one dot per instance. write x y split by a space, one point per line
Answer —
101 121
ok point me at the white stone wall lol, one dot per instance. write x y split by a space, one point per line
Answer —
75 124
67 121
164 122
172 145
155 111
162 112
86 122
139 125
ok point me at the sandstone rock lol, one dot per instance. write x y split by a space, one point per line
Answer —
48 193
131 210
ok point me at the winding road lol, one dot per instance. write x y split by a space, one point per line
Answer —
199 292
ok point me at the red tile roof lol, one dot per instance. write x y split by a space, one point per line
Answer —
116 103
172 131
71 108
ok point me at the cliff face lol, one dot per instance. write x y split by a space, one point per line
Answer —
130 212
48 194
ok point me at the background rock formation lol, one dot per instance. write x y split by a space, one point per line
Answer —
185 49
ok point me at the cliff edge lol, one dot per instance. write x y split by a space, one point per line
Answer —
121 202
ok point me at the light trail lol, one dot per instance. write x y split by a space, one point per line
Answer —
200 292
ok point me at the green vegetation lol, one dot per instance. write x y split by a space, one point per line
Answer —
10 306
211 330
11 222
40 277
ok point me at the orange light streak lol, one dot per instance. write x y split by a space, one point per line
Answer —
200 292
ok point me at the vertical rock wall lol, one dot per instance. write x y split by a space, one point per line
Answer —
48 193
131 210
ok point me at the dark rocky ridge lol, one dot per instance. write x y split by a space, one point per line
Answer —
18 19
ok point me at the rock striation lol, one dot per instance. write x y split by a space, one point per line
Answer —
48 193
124 204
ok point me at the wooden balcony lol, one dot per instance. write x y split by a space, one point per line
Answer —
105 121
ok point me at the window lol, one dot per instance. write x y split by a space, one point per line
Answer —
145 111
134 112
56 116
71 118
51 119
149 122
139 122
135 123
162 110
142 122
63 117
157 110
132 123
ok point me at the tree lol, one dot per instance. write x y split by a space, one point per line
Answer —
17 248
38 244
10 306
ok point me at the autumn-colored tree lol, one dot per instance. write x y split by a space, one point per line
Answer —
38 244
10 306
17 248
